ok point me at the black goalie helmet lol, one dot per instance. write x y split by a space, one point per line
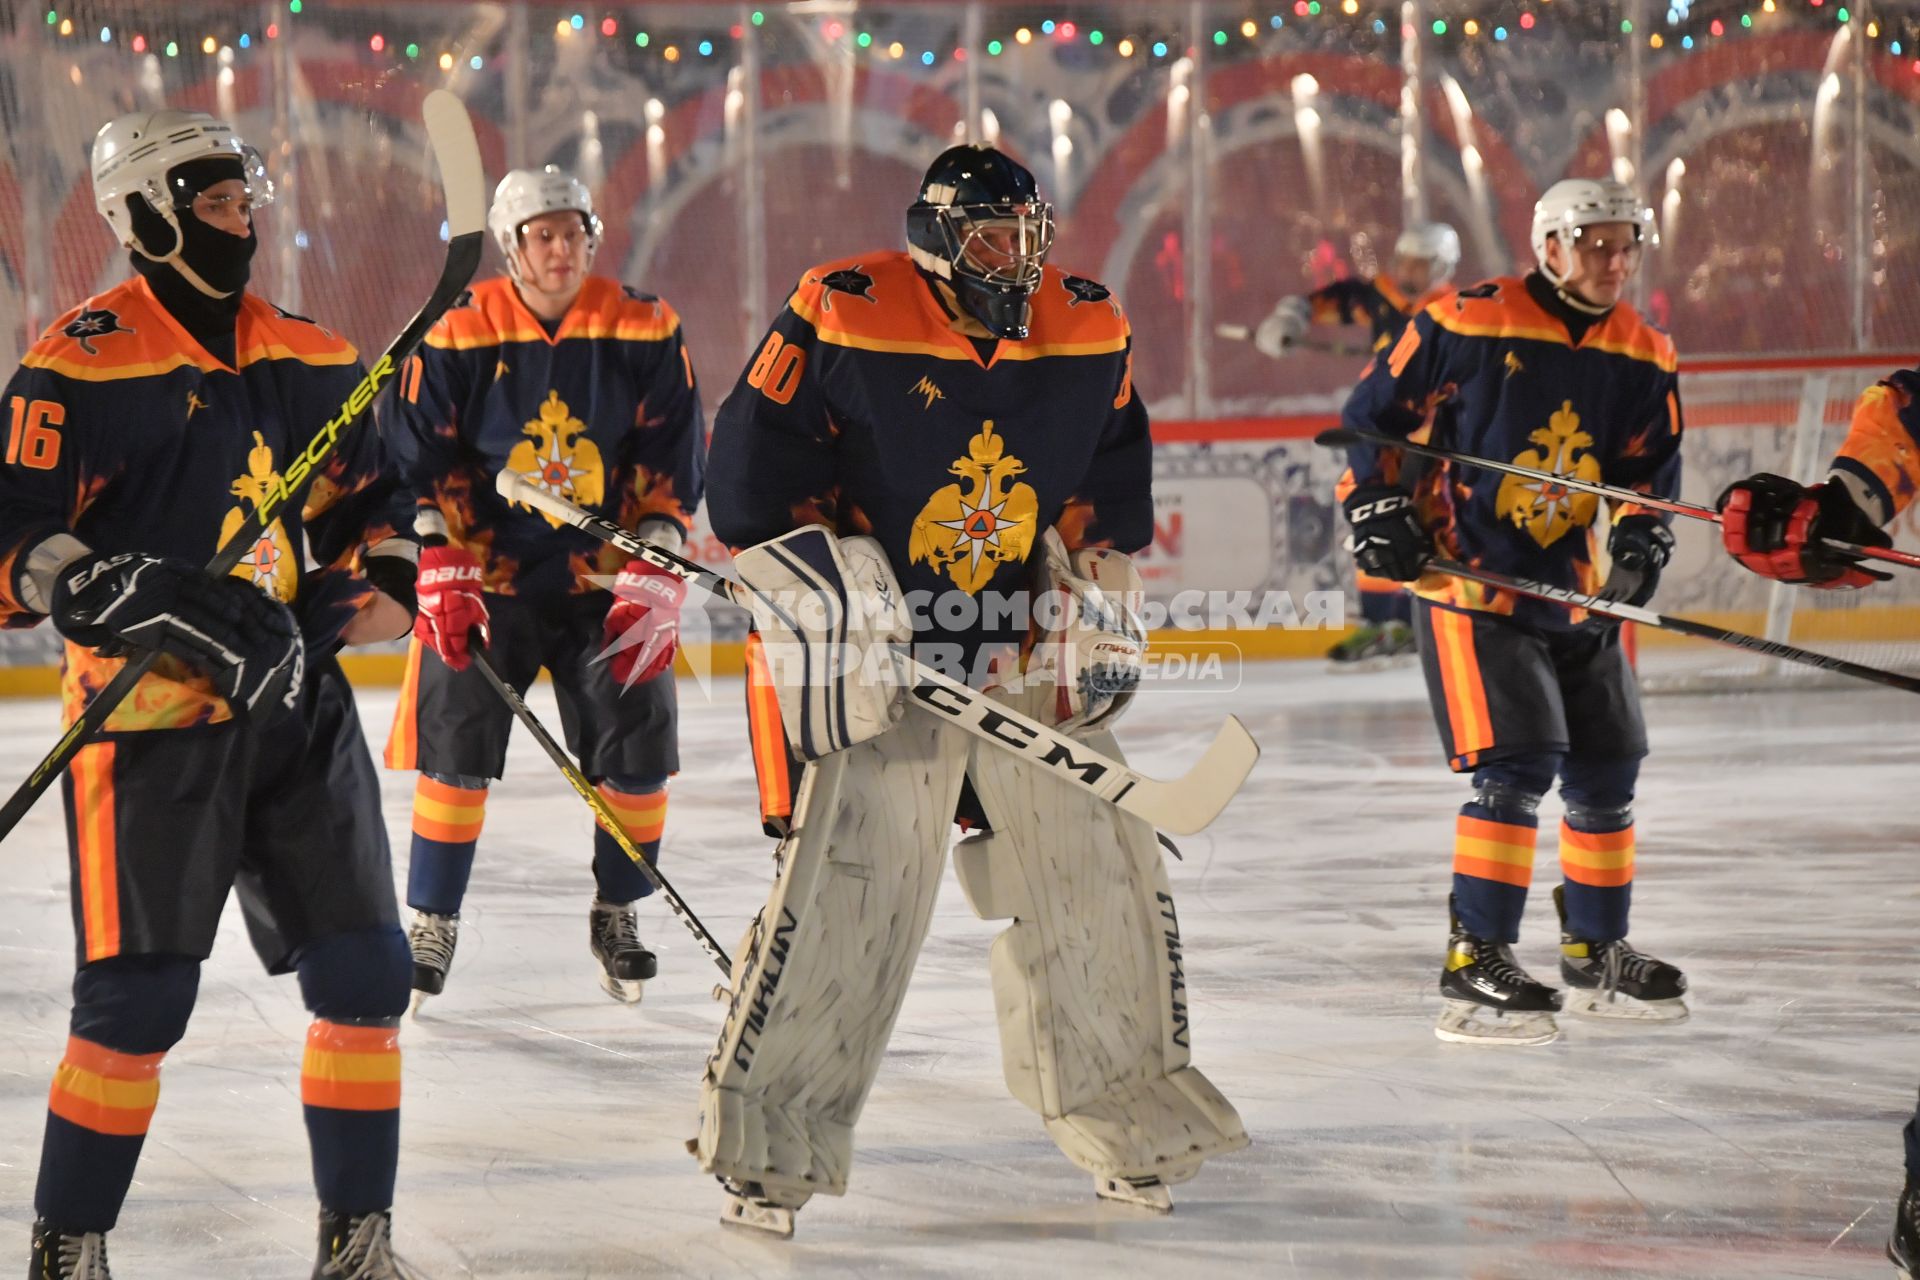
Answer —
981 226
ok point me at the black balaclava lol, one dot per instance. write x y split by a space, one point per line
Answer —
1553 299
205 297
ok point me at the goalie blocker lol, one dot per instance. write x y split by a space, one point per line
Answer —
1087 978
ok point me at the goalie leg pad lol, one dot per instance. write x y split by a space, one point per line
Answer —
1088 981
817 986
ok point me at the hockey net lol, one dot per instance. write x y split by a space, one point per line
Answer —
1786 417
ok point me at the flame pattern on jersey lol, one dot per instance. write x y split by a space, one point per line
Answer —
1489 371
1883 441
145 443
602 411
870 413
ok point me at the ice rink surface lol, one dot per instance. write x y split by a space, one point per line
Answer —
544 1124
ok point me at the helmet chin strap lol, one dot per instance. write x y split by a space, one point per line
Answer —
1561 290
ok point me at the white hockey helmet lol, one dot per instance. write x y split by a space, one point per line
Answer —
134 154
525 194
1434 242
1572 203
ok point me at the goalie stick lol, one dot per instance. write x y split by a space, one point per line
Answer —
1341 437
596 802
1183 805
464 187
1682 626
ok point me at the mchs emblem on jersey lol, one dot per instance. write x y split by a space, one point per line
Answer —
89 325
969 530
851 281
559 458
269 563
1549 516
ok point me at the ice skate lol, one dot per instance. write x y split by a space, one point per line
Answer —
750 1204
1490 999
432 938
1903 1247
61 1255
1374 647
359 1247
1144 1193
614 938
1610 980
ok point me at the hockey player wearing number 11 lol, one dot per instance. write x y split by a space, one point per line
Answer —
944 423
1553 371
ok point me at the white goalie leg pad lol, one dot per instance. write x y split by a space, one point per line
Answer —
829 612
1088 981
817 987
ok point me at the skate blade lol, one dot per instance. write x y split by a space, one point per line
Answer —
625 990
771 1218
1591 1004
1152 1195
1464 1022
418 1002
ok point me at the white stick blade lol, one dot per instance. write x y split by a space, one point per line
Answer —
458 152
515 487
1186 806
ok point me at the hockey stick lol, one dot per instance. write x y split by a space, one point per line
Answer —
1341 437
1332 347
598 803
1183 805
462 182
1684 626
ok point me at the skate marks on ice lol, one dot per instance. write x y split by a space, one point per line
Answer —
543 1123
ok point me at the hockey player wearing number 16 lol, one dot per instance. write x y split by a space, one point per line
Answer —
585 388
949 422
148 426
1556 372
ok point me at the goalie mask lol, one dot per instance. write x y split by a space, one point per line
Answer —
148 168
525 194
981 226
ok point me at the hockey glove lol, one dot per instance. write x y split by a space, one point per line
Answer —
222 627
1774 527
1640 547
643 624
1089 640
449 603
1289 323
1388 540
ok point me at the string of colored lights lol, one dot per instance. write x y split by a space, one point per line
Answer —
1681 28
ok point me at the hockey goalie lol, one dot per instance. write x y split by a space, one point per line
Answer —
942 449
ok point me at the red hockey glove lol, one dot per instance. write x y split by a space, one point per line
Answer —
450 603
1774 527
643 625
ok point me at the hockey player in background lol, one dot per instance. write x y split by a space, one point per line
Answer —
584 387
147 424
1424 259
1777 528
947 426
1554 371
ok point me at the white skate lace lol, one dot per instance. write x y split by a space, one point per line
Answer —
367 1253
84 1257
432 939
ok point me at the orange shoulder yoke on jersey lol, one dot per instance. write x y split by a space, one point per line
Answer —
1072 316
122 333
1512 313
605 309
1387 289
268 333
1885 435
495 316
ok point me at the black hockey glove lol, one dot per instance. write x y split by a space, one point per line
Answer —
220 626
1388 540
1640 547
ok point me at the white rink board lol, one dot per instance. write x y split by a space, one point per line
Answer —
543 1123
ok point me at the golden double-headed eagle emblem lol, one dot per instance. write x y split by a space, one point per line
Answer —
968 530
1548 512
557 456
269 563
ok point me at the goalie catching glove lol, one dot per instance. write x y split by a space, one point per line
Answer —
1089 636
830 612
1775 527
222 627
